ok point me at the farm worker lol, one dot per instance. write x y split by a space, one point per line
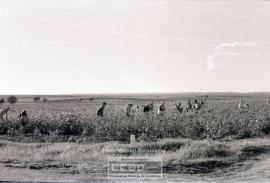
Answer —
23 118
189 106
197 106
179 107
100 111
161 108
4 112
148 107
128 110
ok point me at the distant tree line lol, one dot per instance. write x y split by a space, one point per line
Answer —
10 99
13 99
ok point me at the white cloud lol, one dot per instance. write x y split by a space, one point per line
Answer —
235 49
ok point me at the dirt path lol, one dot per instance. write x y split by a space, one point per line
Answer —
22 174
257 170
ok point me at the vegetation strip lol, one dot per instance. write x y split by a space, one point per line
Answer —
183 156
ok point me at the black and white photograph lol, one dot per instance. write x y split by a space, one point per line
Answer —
116 91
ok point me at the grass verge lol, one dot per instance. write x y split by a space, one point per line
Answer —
178 155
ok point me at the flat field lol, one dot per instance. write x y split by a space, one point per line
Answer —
64 134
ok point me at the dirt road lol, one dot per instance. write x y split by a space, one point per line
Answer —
257 170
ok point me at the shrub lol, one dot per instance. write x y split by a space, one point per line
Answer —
36 99
12 99
2 100
206 149
4 127
90 99
69 125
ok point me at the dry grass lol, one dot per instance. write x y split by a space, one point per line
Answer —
185 156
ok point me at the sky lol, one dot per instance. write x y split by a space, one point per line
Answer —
128 46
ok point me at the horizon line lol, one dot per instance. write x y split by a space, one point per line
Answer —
142 93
